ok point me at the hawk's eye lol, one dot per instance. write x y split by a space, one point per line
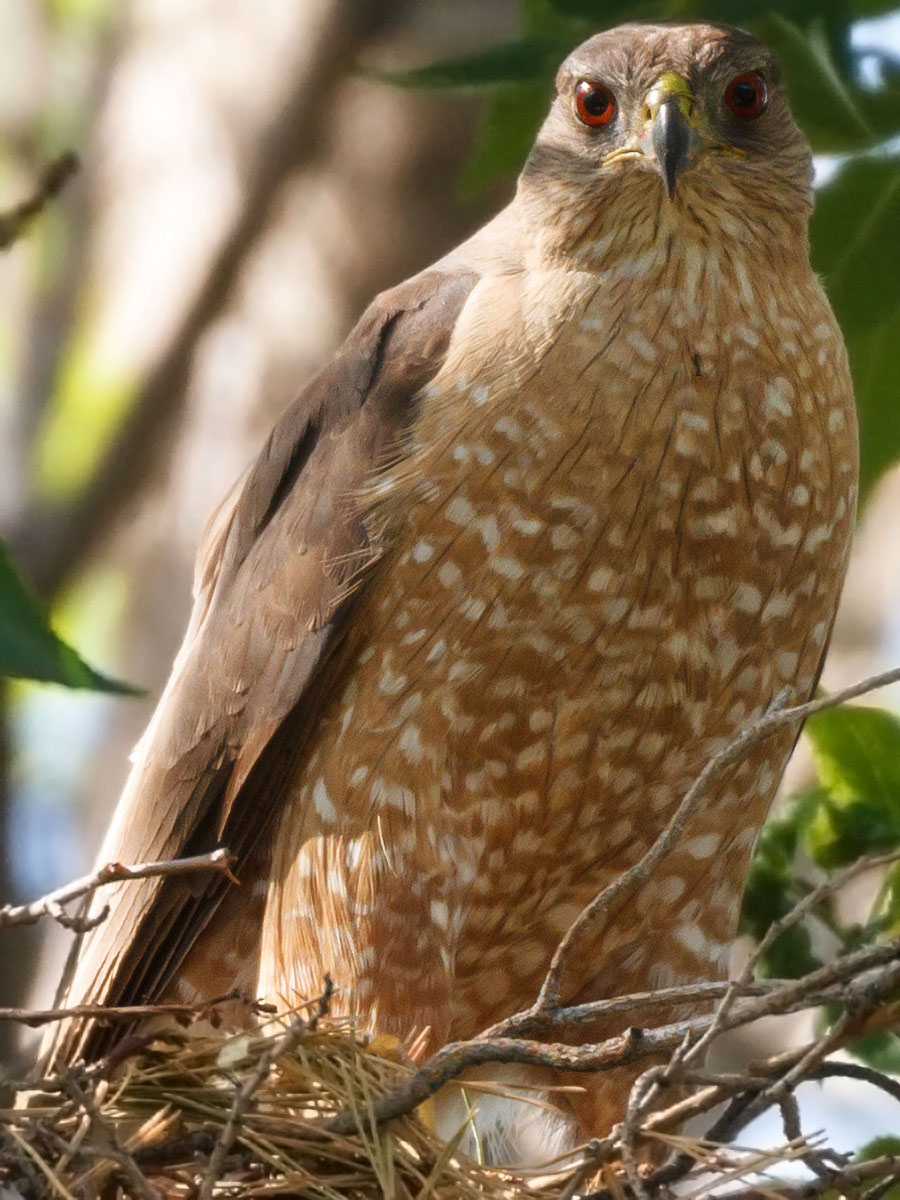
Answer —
594 103
747 95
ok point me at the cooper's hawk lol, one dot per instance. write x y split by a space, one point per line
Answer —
565 512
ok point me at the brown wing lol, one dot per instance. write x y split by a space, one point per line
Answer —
272 596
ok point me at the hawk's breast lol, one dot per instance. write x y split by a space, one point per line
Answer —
621 535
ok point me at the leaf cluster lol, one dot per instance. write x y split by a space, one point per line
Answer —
853 811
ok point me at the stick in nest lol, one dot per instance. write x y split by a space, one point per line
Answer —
244 1097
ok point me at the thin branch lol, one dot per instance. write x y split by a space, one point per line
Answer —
531 1023
36 1017
53 179
811 900
51 905
773 721
861 980
885 1170
843 1070
828 887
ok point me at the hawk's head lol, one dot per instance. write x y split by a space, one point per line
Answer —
681 123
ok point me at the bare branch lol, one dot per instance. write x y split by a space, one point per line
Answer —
827 888
35 1017
844 1070
862 980
855 979
775 719
54 177
864 983
885 1170
51 905
532 1023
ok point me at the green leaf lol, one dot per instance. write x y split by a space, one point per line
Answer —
769 893
857 753
767 897
875 361
855 234
880 1147
508 129
880 1050
885 1146
824 103
29 649
790 955
856 246
882 105
523 61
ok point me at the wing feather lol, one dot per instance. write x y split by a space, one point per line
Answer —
277 578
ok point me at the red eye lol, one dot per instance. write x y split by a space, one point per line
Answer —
594 103
747 95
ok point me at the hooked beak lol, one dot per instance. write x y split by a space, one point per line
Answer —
669 112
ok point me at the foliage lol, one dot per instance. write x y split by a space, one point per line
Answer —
853 811
29 649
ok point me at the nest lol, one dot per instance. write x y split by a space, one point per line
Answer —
240 1115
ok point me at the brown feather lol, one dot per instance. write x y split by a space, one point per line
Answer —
271 598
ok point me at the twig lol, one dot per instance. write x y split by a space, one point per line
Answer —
453 1059
532 1022
45 1169
114 1150
801 1068
53 179
51 904
827 888
862 980
35 1017
884 1169
831 1070
815 1053
642 1087
775 719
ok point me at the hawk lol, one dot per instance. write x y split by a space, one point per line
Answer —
565 512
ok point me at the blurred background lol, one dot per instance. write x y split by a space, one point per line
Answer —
252 171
